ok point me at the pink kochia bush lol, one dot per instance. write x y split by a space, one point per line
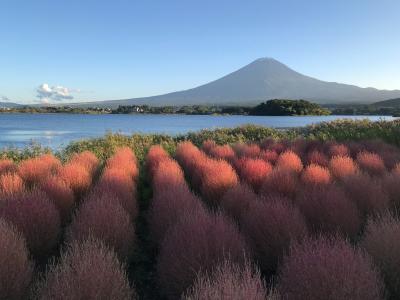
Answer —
196 242
247 150
371 163
328 268
124 159
368 193
119 179
289 161
103 218
36 217
228 281
271 226
317 158
77 177
120 184
15 267
60 193
210 176
316 175
236 201
338 150
7 166
168 173
171 197
280 182
396 169
188 156
269 156
391 185
168 205
217 176
34 170
87 270
10 184
328 210
155 155
222 152
342 166
253 171
382 242
87 160
208 145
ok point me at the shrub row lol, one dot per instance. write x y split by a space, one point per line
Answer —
212 177
101 235
191 239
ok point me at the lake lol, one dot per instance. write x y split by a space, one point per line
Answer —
57 130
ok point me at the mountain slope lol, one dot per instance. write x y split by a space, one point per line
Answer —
9 105
261 80
394 103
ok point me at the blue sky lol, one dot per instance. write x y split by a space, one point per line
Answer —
101 50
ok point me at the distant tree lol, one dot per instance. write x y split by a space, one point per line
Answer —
278 107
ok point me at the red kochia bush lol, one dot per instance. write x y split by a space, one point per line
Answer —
103 218
342 166
120 184
228 281
87 160
36 217
59 192
217 178
367 193
10 184
396 169
253 171
196 242
328 209
168 173
169 203
271 226
318 158
328 268
222 152
37 169
338 150
15 267
281 182
236 201
155 155
188 155
124 159
77 177
289 161
86 270
382 242
247 150
371 163
208 145
391 185
316 175
269 156
7 166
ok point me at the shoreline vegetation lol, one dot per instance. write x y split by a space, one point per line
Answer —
103 147
276 107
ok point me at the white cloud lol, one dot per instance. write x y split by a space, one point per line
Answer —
4 98
47 93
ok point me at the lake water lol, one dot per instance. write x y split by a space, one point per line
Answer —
57 130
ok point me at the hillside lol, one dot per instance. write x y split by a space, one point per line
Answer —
261 80
393 103
9 105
